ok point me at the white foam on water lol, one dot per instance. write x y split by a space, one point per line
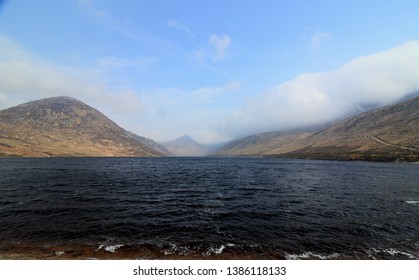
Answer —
112 248
310 255
217 250
175 249
412 201
59 253
214 251
391 251
172 249
109 248
394 252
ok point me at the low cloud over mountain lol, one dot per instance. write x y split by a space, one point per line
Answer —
317 98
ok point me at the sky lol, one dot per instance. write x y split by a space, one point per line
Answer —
215 70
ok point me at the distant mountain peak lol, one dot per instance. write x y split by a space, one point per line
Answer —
187 146
186 139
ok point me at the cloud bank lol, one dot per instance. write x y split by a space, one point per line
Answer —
216 113
317 98
25 77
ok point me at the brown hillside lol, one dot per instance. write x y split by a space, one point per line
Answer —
385 134
64 126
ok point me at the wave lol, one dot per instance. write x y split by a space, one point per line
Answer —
312 256
109 248
412 201
377 253
216 250
171 249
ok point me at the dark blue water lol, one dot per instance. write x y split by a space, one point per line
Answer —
270 208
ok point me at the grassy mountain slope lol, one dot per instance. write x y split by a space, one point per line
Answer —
63 126
388 133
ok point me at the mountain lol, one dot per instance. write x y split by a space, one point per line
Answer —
261 144
187 146
64 126
384 134
150 143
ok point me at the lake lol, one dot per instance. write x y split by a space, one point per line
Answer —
207 208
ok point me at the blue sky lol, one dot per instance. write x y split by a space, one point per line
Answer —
215 70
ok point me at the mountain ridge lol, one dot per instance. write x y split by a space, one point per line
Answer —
383 134
64 126
187 146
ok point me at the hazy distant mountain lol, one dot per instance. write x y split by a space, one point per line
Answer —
187 146
64 126
151 143
261 144
388 133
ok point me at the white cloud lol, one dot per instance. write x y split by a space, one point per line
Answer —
87 6
216 50
161 114
194 112
219 45
319 39
317 98
212 114
176 25
118 63
25 77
